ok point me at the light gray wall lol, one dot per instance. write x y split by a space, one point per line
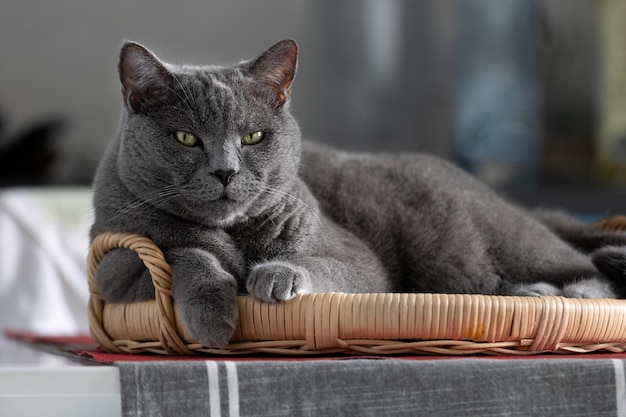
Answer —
373 74
358 85
60 56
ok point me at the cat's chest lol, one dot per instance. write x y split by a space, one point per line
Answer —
270 238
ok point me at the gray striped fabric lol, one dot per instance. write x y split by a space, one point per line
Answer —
360 387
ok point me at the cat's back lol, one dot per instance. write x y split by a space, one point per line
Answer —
385 179
419 213
387 198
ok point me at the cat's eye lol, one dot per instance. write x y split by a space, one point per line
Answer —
186 138
252 138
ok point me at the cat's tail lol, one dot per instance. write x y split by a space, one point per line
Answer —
611 262
580 235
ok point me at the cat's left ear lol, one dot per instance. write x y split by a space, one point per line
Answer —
276 69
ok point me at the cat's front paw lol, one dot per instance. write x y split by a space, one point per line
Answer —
214 333
276 281
206 296
211 316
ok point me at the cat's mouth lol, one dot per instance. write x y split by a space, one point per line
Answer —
224 196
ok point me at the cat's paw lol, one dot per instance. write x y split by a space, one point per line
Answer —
206 296
276 281
211 316
535 289
589 288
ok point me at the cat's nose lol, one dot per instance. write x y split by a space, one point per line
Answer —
224 175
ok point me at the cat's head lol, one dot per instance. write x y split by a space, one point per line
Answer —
208 143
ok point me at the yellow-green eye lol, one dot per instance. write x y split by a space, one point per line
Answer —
186 138
252 138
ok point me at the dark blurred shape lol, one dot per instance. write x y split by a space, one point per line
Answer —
26 158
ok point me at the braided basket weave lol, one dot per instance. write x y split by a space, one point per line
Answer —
366 324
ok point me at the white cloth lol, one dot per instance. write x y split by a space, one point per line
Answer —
43 248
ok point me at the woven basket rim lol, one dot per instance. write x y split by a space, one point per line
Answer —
356 324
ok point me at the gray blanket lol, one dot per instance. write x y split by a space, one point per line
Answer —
360 387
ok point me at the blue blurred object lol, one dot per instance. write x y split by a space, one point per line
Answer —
497 98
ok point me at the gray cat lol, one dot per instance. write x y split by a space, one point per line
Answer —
208 163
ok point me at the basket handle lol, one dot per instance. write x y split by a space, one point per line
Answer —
161 273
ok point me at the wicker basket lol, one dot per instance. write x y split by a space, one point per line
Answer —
366 324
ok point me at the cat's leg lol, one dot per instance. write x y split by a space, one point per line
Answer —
205 294
283 279
122 277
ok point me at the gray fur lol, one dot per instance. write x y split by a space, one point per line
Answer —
232 217
437 229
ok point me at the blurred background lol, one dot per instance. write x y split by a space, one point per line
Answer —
529 95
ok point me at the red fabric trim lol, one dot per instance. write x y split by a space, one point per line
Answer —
84 347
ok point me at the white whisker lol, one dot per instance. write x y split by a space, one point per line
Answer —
149 200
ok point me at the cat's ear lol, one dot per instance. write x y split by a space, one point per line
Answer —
276 69
142 75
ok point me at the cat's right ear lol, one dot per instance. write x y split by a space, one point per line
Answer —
142 75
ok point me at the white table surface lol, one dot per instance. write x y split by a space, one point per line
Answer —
37 383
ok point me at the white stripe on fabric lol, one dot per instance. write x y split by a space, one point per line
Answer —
215 406
233 388
620 388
